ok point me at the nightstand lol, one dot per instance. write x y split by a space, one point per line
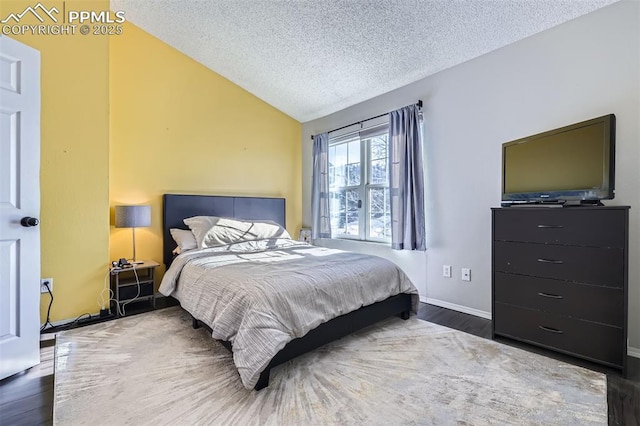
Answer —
125 285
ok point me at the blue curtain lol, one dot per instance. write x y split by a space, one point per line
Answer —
406 180
321 218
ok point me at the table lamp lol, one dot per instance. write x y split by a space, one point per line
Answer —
133 217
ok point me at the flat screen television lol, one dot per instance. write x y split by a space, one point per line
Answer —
572 164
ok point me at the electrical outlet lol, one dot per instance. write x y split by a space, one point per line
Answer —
43 287
446 271
466 274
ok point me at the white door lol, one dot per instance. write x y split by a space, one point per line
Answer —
19 198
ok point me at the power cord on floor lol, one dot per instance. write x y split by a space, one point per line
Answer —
102 303
48 321
66 326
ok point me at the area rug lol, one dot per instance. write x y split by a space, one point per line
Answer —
155 369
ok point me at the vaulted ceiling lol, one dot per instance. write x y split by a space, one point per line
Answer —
310 58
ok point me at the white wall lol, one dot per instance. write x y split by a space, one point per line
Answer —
582 69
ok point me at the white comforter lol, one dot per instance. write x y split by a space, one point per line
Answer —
260 295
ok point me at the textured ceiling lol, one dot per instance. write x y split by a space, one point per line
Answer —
310 58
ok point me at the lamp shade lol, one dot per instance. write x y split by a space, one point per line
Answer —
133 216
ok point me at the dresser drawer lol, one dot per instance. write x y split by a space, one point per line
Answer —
589 340
581 301
590 265
573 226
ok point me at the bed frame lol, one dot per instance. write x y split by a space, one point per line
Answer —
176 207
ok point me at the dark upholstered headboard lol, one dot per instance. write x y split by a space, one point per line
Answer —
177 207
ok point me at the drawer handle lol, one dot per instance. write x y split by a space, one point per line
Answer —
550 226
550 330
555 262
552 296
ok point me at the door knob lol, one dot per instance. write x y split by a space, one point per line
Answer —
29 221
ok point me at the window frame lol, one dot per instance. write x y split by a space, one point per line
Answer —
365 186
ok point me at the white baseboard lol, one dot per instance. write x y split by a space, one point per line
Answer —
634 352
459 308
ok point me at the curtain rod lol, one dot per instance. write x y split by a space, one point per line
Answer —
419 103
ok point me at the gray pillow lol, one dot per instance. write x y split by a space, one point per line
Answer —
184 239
213 231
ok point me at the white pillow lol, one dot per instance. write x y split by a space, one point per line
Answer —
213 231
184 239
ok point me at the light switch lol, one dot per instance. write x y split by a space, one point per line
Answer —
446 271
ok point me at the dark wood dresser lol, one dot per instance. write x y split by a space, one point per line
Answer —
559 279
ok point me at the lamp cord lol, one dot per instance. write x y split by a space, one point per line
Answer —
131 300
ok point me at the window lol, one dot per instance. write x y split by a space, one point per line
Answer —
359 185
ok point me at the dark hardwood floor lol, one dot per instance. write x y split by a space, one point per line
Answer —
27 398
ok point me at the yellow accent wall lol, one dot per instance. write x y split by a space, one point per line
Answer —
178 127
74 170
125 119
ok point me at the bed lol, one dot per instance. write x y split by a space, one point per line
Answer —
270 300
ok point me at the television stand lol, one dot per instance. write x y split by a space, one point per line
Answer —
560 280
